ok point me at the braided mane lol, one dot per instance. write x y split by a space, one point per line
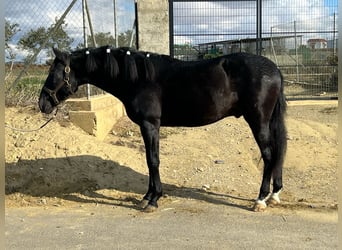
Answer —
130 64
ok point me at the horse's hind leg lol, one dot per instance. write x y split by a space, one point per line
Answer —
277 181
263 138
279 144
270 135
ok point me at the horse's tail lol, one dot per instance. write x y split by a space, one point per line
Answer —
278 128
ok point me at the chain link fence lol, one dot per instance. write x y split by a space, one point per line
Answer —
34 27
307 57
299 36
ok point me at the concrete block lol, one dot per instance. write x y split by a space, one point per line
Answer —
97 115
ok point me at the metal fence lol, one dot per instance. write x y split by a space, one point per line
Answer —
299 36
33 27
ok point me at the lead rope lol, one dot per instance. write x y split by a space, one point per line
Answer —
33 130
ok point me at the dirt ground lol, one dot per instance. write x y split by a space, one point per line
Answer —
62 166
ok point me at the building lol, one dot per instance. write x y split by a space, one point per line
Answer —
317 43
274 45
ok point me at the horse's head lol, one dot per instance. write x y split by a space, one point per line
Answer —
59 84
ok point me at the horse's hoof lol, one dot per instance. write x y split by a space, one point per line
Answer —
143 203
150 209
274 199
259 206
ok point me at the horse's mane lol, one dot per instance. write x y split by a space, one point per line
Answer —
133 65
138 65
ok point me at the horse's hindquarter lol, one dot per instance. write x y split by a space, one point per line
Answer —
198 94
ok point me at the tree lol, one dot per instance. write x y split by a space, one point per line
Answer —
103 39
42 38
10 31
124 39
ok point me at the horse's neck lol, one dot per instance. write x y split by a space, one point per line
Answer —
104 82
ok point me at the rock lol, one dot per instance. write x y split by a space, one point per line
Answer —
43 201
130 133
21 142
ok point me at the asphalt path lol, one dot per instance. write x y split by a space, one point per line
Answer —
180 225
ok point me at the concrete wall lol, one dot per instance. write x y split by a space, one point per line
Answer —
153 24
97 115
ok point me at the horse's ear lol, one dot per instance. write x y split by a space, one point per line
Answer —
63 56
60 55
56 51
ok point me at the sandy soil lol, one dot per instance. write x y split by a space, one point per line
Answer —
60 165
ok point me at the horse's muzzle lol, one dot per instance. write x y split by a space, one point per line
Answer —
45 105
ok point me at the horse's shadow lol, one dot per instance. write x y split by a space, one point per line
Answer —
77 178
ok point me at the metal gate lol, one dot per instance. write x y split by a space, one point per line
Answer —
301 39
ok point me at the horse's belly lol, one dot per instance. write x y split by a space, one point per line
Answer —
198 113
186 122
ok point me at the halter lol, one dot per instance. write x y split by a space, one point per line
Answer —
52 93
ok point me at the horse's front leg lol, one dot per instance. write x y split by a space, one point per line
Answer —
150 132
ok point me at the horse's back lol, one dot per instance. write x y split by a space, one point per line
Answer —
197 93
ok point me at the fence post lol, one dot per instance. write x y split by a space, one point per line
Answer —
259 28
296 51
171 31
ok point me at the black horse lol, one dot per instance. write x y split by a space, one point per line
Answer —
158 90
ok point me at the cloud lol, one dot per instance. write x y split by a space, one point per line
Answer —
183 40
